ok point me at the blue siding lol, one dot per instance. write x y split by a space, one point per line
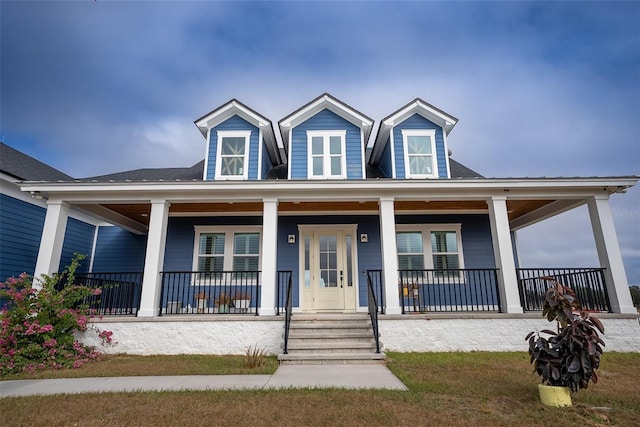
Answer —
326 120
477 245
78 238
233 123
178 255
418 122
267 161
20 233
118 250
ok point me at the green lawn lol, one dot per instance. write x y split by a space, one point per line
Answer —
477 389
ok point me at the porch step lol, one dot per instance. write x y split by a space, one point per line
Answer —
321 338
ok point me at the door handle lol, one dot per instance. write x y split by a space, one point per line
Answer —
341 279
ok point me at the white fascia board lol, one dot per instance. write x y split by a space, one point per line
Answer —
446 121
331 104
468 189
552 209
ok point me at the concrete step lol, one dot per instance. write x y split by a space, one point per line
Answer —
331 358
332 347
330 316
315 324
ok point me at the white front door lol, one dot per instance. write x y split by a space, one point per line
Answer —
328 279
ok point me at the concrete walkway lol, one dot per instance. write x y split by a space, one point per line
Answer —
286 376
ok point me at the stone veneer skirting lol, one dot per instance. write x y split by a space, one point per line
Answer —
422 333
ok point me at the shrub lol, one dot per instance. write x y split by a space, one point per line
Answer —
37 326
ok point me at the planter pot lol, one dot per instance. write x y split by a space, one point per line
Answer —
202 304
223 308
554 396
241 304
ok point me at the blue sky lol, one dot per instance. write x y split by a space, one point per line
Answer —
540 88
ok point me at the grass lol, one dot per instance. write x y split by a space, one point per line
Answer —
479 389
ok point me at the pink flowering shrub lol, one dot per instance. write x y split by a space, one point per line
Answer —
37 326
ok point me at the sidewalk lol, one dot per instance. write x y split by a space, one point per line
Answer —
286 376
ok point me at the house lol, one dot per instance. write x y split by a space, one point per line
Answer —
298 224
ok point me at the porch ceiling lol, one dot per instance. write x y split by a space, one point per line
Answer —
140 212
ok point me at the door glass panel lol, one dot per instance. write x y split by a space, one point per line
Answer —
307 262
349 262
328 261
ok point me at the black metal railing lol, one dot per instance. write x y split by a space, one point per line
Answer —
375 277
373 312
282 282
588 283
451 290
220 292
120 293
288 310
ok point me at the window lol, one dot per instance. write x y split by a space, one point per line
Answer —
218 249
232 154
420 153
326 154
431 246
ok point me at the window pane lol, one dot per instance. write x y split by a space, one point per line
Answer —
233 146
419 144
420 165
410 242
317 145
335 145
336 166
210 263
232 165
245 263
317 166
211 243
410 262
444 241
246 243
444 262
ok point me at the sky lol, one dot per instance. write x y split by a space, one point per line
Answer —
539 88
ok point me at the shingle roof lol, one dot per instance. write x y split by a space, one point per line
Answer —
458 170
194 172
26 168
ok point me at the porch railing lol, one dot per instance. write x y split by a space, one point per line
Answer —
375 277
451 290
288 310
588 283
120 292
282 285
219 292
373 312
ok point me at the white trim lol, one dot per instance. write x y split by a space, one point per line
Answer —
259 176
289 154
206 157
326 155
393 154
93 247
431 133
446 154
363 154
221 134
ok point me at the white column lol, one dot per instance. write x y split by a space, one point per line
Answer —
389 255
503 253
269 253
608 248
50 251
154 259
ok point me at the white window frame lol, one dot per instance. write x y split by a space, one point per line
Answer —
431 133
229 237
246 134
426 230
326 166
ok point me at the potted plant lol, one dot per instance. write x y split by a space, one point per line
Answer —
201 299
223 303
241 301
568 357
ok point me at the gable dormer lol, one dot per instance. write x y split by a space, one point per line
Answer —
412 142
241 144
326 139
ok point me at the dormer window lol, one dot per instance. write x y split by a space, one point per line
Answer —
326 154
232 154
419 153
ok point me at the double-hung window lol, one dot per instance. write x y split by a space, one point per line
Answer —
430 247
420 153
233 154
326 154
218 249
